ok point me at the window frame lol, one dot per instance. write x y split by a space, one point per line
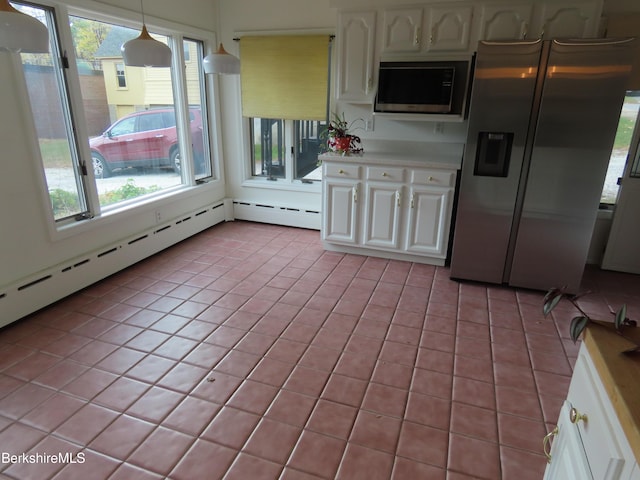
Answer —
177 34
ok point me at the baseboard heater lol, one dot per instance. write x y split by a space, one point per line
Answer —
276 214
31 294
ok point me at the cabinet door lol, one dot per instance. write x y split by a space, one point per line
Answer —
449 28
355 56
601 433
402 30
382 215
568 458
567 19
340 211
428 221
505 22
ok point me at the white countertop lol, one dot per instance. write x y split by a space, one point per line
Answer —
410 154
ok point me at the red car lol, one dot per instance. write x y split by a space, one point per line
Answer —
144 139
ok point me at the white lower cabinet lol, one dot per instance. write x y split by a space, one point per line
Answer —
429 218
341 186
568 459
388 210
383 209
588 442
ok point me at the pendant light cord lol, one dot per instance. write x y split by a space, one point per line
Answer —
142 11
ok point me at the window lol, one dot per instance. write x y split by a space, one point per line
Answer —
133 139
122 79
47 87
268 148
285 96
621 146
308 140
269 154
132 154
197 100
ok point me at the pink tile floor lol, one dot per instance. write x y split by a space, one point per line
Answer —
248 352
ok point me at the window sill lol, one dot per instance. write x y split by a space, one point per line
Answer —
283 184
118 213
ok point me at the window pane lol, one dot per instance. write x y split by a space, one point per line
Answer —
628 118
47 93
308 138
268 148
121 75
197 104
134 148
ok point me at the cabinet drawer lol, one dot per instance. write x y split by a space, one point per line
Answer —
439 178
342 171
385 174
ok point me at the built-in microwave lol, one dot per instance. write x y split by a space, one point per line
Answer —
436 87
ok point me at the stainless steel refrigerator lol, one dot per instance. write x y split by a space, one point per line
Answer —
542 121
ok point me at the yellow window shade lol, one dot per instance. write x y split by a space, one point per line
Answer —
285 76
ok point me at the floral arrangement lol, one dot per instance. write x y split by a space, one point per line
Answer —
340 138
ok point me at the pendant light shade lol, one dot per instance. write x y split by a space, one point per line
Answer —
20 32
145 51
221 62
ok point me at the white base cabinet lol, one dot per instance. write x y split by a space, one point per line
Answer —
386 210
589 442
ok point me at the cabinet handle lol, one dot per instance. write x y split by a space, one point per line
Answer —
355 194
546 443
341 172
413 200
385 174
398 198
431 179
575 416
369 85
416 38
525 31
544 27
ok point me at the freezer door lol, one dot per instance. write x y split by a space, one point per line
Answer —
501 99
582 97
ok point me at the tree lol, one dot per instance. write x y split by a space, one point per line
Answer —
88 35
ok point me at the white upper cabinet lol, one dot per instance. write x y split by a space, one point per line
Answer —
356 42
388 32
567 19
402 30
449 28
505 21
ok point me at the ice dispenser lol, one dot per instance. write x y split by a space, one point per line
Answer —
492 157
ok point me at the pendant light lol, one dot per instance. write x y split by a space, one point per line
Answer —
221 62
145 51
20 32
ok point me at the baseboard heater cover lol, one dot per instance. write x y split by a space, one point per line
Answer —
276 214
29 295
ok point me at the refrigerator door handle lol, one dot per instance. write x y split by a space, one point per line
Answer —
591 43
515 43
